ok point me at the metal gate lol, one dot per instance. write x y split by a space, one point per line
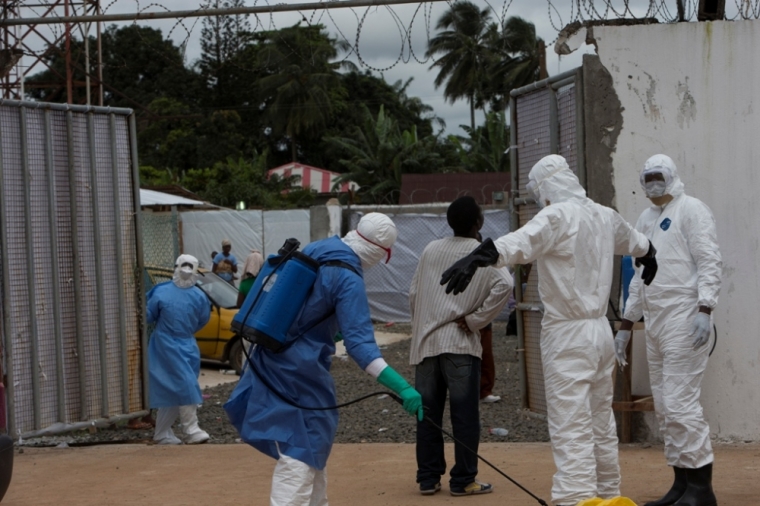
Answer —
546 118
70 249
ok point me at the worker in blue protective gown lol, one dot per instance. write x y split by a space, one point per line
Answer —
301 439
178 309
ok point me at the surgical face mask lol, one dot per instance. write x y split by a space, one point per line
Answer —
184 277
654 189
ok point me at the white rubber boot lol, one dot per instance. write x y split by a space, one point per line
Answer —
163 434
193 434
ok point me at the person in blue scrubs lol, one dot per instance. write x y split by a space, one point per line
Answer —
301 439
178 309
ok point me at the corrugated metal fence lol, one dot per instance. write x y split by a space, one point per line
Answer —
547 118
70 250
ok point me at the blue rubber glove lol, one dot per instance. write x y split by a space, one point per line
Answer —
621 343
411 397
700 330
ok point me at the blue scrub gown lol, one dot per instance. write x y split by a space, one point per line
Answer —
174 360
302 371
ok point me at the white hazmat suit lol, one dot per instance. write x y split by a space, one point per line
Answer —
683 231
574 241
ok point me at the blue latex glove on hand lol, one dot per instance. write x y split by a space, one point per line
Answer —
700 330
621 343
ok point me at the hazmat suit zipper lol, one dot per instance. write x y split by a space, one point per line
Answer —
650 236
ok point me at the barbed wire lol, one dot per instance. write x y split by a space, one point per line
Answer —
559 14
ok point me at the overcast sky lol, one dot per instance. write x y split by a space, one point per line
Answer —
381 43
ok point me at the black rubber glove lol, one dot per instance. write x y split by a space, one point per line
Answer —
650 264
459 275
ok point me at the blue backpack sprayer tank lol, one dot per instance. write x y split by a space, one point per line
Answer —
276 298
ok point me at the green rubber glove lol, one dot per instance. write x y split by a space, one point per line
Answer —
338 337
411 397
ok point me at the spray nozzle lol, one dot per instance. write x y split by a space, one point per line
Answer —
290 246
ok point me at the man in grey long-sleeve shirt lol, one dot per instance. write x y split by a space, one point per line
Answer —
446 350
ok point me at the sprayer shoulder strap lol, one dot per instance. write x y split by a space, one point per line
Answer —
339 263
332 263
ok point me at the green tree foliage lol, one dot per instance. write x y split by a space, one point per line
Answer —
378 153
302 89
481 61
518 64
235 180
256 100
139 65
223 40
464 47
484 150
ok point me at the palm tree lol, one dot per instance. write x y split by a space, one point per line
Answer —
463 43
377 154
484 148
303 83
519 63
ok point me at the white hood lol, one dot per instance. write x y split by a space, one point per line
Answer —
373 238
185 275
555 181
664 165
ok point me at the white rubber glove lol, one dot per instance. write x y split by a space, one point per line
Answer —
700 330
621 343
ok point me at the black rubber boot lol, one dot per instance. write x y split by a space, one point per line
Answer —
699 490
675 492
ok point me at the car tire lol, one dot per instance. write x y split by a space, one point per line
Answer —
237 356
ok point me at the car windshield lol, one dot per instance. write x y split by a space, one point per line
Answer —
221 292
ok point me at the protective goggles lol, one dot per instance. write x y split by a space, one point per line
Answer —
387 250
666 175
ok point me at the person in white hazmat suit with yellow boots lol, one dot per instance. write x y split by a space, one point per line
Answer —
574 241
179 309
677 309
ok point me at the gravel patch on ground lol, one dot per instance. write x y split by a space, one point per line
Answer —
375 420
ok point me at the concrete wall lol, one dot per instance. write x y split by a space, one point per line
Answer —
691 90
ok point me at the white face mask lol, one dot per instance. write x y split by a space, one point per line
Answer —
654 189
184 277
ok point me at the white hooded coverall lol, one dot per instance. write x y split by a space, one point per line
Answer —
573 242
690 266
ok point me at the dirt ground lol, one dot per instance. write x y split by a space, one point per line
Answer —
359 474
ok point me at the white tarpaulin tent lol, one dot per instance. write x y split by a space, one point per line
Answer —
154 198
204 231
388 284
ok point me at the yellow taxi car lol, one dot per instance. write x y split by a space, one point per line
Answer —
217 341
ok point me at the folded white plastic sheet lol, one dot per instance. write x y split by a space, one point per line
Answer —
388 284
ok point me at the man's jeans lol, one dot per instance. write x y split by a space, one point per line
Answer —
460 375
